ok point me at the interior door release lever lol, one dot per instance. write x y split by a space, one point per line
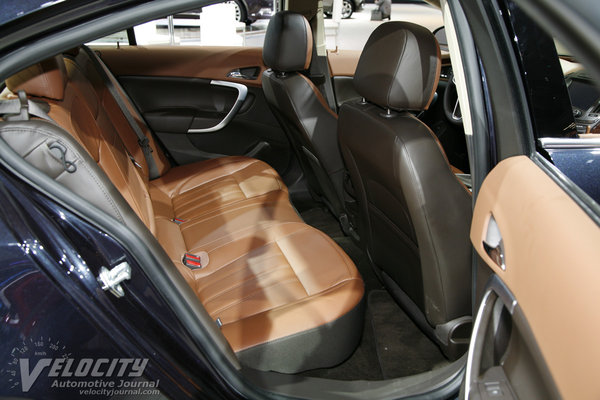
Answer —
237 74
247 73
493 244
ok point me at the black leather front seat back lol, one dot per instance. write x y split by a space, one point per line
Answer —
415 214
300 108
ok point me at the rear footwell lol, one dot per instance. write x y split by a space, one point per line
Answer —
392 346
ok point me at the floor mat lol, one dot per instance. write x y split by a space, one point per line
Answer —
391 345
402 349
362 364
322 219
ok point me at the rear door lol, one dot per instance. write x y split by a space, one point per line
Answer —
198 86
536 233
536 332
342 65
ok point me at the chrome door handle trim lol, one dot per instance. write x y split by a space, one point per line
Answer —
495 289
242 92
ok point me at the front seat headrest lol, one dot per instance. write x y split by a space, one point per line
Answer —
47 79
288 43
399 67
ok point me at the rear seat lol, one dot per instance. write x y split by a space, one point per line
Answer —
288 298
189 190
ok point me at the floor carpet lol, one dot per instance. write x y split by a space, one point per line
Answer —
402 349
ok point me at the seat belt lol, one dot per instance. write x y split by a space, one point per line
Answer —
114 86
21 108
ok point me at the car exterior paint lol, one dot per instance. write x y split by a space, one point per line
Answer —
52 308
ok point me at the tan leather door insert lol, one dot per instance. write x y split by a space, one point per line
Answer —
552 253
208 62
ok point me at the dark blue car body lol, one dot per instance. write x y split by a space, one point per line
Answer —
51 306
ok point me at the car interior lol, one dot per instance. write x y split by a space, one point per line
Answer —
320 212
284 294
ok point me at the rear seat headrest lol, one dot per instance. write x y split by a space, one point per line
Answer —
47 79
399 67
288 43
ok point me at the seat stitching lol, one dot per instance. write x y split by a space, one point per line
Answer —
198 220
176 191
399 62
254 249
271 223
263 225
299 301
425 216
234 260
441 148
254 292
340 252
237 182
242 283
202 199
202 218
291 267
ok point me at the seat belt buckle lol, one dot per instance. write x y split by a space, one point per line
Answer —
134 161
195 261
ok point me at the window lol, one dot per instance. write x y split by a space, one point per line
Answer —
230 23
117 38
352 33
564 101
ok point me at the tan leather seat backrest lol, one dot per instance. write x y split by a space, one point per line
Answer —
77 109
118 120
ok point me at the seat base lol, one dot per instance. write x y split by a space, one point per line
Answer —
322 347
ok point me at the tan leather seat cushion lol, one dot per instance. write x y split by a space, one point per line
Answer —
276 281
199 188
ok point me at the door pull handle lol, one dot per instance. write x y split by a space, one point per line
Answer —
493 244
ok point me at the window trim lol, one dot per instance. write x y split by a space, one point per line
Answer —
131 36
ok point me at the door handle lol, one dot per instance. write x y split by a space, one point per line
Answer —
238 75
493 243
242 92
247 73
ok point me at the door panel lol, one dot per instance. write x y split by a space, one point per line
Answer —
342 64
174 89
210 62
343 87
550 256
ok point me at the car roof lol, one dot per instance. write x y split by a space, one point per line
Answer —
13 9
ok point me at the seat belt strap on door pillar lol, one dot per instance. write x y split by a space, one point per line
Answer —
22 108
114 87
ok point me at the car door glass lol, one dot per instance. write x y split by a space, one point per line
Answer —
352 31
119 38
564 101
230 23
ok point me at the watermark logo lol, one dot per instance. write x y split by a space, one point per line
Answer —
47 363
83 368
